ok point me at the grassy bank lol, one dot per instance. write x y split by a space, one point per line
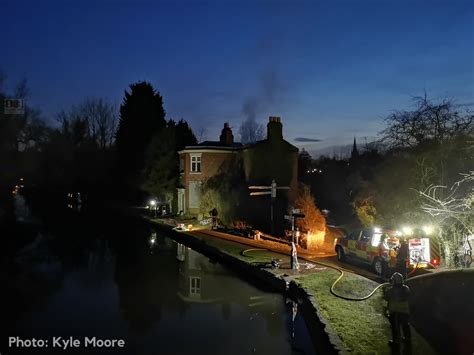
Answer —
362 326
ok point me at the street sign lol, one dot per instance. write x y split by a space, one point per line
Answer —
259 187
295 210
298 215
13 106
288 217
260 193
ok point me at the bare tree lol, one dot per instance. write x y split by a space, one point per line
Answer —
21 90
430 121
453 209
94 119
251 131
101 117
74 126
201 134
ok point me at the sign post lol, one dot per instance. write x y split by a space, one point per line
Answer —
271 190
294 253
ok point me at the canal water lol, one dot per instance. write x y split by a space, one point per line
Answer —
111 277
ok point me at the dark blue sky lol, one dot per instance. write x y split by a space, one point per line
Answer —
330 69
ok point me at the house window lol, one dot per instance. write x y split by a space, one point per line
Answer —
195 163
195 285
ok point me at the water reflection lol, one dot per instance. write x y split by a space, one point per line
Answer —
21 208
122 280
201 281
205 282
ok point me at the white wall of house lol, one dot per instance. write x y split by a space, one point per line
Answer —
194 194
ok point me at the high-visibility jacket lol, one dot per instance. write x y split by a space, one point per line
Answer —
397 298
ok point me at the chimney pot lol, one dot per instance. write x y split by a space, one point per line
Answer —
274 128
226 138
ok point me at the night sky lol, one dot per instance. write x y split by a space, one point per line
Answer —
330 69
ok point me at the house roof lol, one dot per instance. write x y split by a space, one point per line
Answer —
218 144
212 146
266 141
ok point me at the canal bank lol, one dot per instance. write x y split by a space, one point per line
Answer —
336 325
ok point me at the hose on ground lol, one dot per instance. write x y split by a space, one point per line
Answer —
244 252
345 297
332 289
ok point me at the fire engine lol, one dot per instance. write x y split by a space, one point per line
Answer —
378 247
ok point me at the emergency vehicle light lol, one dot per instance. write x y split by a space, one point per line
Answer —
428 230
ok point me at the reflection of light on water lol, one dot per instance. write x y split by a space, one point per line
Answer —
181 252
75 201
22 211
152 239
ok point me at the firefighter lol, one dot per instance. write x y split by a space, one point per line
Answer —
213 214
392 260
402 258
397 295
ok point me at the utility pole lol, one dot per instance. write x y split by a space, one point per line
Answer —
270 190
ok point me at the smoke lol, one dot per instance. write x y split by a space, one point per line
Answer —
250 107
269 86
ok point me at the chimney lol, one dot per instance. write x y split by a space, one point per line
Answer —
274 128
226 138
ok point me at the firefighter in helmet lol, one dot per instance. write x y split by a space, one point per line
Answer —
402 258
396 295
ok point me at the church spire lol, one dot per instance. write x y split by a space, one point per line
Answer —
355 152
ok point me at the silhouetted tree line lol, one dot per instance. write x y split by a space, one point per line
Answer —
92 148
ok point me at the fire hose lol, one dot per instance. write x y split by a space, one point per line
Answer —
332 289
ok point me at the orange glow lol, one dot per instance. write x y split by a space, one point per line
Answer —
315 240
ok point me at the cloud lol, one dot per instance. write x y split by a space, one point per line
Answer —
303 139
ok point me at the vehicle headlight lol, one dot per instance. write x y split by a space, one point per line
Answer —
428 230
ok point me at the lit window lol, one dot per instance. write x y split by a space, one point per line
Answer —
195 163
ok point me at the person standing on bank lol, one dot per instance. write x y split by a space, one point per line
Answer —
397 295
402 259
213 214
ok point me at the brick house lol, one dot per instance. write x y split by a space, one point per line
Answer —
263 161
